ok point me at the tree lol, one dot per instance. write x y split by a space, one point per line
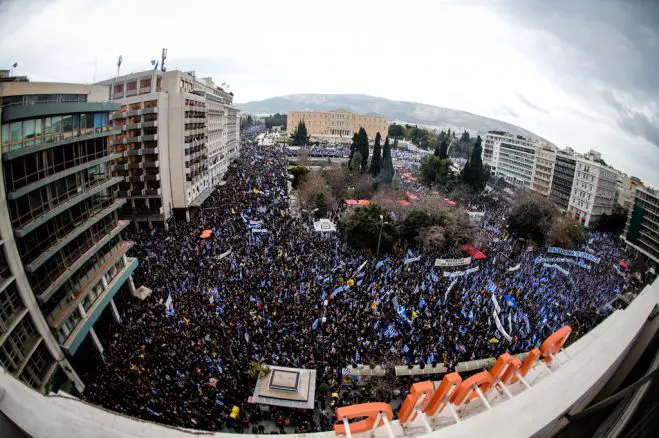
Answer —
356 161
395 143
299 173
362 145
300 136
363 229
566 232
413 223
473 173
464 138
376 160
443 150
395 131
353 146
316 194
531 218
386 174
276 120
428 169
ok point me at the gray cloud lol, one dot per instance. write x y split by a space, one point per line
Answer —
531 105
592 46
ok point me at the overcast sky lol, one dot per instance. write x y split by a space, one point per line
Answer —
580 73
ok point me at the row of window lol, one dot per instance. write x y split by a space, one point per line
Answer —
48 129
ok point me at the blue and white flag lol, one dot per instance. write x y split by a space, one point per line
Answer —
406 349
422 302
431 358
345 372
358 358
314 326
169 306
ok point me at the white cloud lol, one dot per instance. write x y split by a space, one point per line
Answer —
442 53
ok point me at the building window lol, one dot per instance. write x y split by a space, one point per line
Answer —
119 88
132 86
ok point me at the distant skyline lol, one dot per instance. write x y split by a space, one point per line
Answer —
578 73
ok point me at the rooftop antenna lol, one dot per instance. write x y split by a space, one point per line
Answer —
154 63
119 64
11 70
164 56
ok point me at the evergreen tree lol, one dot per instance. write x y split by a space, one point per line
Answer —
395 143
353 146
376 161
362 146
300 136
473 173
356 161
443 150
387 169
465 137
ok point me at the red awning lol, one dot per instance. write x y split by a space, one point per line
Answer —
351 202
404 203
624 264
364 202
473 252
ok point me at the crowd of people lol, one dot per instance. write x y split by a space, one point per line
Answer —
264 287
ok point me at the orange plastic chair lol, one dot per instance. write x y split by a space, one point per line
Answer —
371 411
498 369
419 396
554 343
442 396
473 384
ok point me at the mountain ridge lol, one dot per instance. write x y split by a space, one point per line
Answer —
395 110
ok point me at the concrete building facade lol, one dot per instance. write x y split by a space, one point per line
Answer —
593 190
543 168
511 157
642 229
338 123
62 259
563 178
180 134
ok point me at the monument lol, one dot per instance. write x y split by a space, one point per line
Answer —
288 387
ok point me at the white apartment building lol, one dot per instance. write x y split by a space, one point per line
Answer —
180 133
593 190
543 168
520 161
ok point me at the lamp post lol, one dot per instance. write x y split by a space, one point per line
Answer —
382 224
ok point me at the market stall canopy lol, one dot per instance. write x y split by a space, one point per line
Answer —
364 202
404 203
351 202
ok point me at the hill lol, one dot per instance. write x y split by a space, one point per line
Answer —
410 112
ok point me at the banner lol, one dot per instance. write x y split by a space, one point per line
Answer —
571 253
578 263
558 268
452 262
500 327
460 273
361 267
514 268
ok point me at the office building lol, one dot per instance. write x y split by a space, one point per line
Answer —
62 259
543 168
337 124
642 230
180 133
520 161
626 185
563 178
593 190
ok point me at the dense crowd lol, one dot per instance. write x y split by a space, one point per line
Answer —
265 287
343 151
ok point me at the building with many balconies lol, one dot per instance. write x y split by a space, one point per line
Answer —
563 178
642 230
62 259
593 190
179 132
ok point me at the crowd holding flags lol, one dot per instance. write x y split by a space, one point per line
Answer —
292 298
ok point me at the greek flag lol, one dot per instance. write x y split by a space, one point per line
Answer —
431 358
345 372
314 326
391 331
491 287
406 349
357 357
169 306
422 302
